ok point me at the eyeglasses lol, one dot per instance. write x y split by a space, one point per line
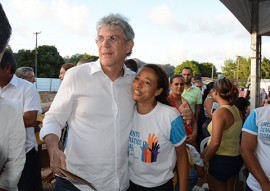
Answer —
111 39
29 76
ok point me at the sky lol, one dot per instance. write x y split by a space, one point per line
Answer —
166 32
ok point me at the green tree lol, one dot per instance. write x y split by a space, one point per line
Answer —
48 60
206 69
242 67
229 69
25 58
265 68
74 59
192 64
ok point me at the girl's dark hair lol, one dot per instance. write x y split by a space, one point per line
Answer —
223 86
163 82
209 87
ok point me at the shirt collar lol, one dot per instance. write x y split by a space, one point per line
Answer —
189 88
96 67
127 71
14 81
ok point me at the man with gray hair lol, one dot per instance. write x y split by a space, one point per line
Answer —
96 101
98 118
5 31
26 73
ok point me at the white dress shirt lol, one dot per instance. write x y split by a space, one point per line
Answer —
12 143
25 96
98 112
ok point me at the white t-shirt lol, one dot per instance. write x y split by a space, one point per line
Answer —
258 123
196 157
152 143
12 143
98 112
25 96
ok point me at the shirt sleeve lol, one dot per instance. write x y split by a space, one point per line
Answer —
60 110
178 133
31 100
10 175
250 124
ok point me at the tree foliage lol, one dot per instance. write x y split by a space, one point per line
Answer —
243 67
49 60
25 58
192 64
77 57
206 69
240 68
229 69
265 68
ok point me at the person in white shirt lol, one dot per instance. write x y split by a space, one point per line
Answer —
255 149
12 143
24 95
157 138
95 99
5 31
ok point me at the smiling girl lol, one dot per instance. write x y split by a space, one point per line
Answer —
157 139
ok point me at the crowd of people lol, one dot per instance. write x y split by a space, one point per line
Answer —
128 128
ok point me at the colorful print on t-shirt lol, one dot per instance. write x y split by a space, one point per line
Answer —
149 148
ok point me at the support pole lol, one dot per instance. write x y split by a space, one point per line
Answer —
255 70
36 33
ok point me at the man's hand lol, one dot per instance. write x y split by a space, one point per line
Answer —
57 157
191 139
58 160
186 112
